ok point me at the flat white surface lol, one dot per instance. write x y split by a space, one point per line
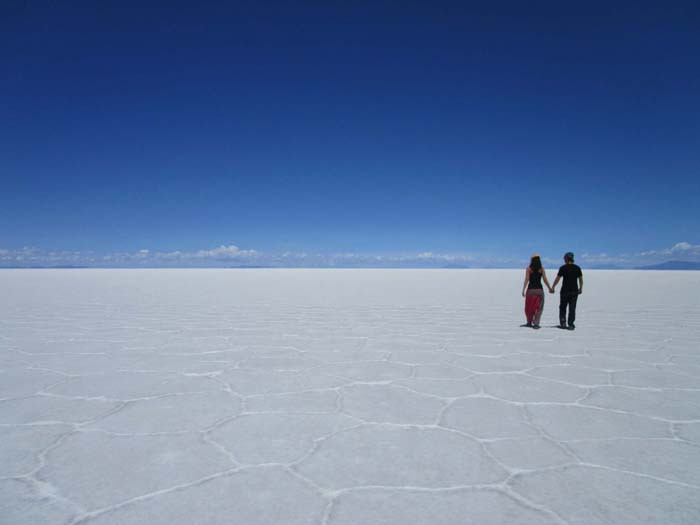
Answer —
346 396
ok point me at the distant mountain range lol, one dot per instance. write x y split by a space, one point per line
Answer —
672 265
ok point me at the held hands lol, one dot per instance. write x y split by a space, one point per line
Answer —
551 290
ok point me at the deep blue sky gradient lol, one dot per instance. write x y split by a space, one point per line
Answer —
363 127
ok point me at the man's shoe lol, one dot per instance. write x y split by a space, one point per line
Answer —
572 327
562 325
536 326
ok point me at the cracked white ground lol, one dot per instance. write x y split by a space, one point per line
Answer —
346 396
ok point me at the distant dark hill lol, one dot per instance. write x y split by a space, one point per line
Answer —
672 265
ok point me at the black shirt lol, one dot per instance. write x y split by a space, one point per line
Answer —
535 280
569 273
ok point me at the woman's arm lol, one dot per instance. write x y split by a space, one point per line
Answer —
556 282
527 280
544 278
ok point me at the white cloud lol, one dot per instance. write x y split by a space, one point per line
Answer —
682 250
143 257
227 255
225 252
22 255
684 247
171 255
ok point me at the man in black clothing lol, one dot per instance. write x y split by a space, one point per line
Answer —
570 290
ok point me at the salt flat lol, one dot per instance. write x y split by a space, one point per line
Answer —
345 396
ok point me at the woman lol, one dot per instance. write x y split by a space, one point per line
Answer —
533 292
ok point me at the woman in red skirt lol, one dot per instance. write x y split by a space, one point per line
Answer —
533 292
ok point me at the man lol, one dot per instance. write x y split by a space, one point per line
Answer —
570 290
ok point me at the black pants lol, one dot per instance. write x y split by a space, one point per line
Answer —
567 299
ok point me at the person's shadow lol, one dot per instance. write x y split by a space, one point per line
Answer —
535 326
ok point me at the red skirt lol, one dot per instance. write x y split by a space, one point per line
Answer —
533 305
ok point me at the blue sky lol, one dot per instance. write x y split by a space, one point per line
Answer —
349 133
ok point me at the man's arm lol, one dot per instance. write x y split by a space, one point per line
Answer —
580 284
556 282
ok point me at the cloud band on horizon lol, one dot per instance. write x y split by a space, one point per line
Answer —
232 256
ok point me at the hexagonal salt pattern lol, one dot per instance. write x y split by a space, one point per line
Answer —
390 404
266 495
680 405
582 495
96 470
20 446
529 453
399 507
26 382
488 418
571 422
53 409
277 438
313 401
666 459
22 503
397 456
342 397
171 413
